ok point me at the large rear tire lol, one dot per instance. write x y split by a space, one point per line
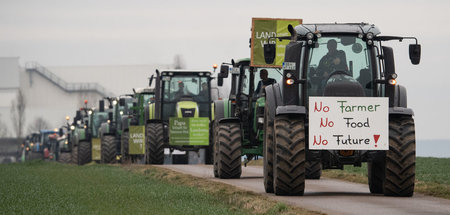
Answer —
268 152
401 157
215 150
124 147
376 175
289 156
229 148
74 159
313 169
154 147
84 153
108 149
65 157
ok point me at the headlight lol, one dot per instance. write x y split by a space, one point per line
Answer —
109 121
90 112
32 144
121 112
85 126
261 120
309 36
369 36
114 102
72 127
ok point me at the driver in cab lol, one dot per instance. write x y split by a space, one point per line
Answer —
334 60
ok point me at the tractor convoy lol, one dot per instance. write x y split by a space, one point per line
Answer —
313 97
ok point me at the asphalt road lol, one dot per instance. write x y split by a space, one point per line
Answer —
328 195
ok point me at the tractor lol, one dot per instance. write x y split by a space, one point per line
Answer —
339 104
133 124
110 132
179 118
238 125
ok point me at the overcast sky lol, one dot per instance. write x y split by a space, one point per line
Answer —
113 32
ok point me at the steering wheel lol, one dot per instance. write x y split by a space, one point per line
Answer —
338 72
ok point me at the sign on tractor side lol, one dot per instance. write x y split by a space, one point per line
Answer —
189 131
348 123
262 30
96 148
137 140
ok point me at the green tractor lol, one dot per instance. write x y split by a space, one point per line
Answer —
339 104
179 118
79 137
133 124
111 131
85 135
238 125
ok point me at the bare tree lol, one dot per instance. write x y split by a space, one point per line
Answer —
3 129
18 107
38 124
178 62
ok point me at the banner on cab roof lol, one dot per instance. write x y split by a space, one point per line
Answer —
262 30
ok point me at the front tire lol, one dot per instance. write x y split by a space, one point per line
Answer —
289 156
313 169
401 157
74 159
268 152
108 149
154 147
65 157
229 151
84 153
376 175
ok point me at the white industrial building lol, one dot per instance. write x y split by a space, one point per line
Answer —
55 92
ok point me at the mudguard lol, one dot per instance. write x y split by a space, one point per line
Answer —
104 129
125 123
273 99
222 109
400 102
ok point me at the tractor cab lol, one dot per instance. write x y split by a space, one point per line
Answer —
185 94
180 116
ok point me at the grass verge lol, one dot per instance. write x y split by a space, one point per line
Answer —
236 198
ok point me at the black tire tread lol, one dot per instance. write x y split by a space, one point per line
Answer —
313 169
84 153
401 157
154 147
289 156
229 151
108 149
268 149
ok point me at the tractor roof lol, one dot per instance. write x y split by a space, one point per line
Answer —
185 71
331 28
145 90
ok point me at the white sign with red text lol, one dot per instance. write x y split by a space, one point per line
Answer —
348 123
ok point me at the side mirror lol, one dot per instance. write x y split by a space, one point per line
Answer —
77 116
223 71
101 105
414 53
122 101
110 116
150 81
269 53
219 81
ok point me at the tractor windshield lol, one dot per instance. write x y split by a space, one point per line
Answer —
186 88
97 120
261 79
339 54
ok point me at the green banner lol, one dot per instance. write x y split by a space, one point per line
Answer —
96 149
136 141
262 30
189 131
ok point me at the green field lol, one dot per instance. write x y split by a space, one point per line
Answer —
432 175
44 187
